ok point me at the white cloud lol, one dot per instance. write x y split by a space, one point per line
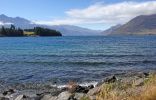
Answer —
2 23
105 14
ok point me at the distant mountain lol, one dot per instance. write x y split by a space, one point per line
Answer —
111 29
17 21
69 30
66 30
144 24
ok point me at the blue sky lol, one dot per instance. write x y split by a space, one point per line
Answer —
94 14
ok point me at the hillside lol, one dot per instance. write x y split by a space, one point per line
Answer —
66 30
144 24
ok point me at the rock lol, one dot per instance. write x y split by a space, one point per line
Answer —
22 97
78 96
64 89
92 97
111 79
42 94
94 91
139 82
4 98
5 93
64 96
90 87
49 97
81 89
146 74
9 92
143 75
19 97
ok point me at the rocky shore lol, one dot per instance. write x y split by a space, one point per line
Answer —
72 91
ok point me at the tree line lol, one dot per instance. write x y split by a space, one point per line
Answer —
39 31
44 31
12 31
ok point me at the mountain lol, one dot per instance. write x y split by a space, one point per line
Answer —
111 29
144 24
70 30
66 30
17 21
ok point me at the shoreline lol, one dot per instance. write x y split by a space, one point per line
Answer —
35 90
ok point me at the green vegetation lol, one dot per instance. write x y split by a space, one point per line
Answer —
37 31
46 32
12 31
41 32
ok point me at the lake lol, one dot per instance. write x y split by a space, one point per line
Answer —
81 59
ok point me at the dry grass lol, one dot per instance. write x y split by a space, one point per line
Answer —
29 33
127 91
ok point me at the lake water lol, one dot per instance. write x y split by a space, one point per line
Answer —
81 59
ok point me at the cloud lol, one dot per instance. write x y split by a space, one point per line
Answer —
2 23
105 13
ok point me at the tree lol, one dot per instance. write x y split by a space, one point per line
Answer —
46 32
12 31
3 31
12 27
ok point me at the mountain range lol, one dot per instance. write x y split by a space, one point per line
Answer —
143 24
140 25
66 30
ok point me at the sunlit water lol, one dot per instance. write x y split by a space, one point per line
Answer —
82 59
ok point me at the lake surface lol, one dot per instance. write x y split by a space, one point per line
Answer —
82 59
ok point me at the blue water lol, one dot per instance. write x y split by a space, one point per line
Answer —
82 59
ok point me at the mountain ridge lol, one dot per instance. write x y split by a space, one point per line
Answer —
140 25
66 30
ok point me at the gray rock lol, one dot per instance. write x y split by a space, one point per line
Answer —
49 97
143 75
82 89
94 91
78 96
111 79
64 96
20 97
139 82
9 92
4 98
23 97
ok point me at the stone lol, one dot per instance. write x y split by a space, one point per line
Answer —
111 79
139 82
64 96
5 93
20 97
146 74
78 96
49 97
9 92
143 75
90 87
83 89
4 98
92 97
94 91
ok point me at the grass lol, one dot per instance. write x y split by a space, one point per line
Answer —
29 33
128 91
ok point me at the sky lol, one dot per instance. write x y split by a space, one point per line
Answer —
93 14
